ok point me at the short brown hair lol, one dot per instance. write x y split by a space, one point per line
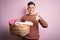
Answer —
31 3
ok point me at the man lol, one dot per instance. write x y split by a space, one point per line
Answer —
35 18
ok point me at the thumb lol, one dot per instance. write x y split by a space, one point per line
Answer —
37 14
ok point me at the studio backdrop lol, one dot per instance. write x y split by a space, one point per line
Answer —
49 10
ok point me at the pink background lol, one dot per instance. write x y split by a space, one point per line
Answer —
48 9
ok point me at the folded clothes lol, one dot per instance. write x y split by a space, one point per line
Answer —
26 22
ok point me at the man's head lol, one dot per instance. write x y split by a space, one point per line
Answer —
31 7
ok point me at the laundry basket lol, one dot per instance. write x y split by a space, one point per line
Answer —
20 29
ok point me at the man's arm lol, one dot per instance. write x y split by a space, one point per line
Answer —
43 23
22 20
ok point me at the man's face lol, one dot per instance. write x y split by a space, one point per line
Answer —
31 9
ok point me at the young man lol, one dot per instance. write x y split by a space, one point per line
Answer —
35 18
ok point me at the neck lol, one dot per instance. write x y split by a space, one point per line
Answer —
31 13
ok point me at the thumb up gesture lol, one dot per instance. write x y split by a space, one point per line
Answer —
37 17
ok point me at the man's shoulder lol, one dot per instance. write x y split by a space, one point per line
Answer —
24 15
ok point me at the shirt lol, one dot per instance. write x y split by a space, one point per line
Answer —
34 29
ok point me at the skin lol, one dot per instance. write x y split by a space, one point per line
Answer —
31 10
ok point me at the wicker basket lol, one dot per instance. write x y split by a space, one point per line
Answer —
20 29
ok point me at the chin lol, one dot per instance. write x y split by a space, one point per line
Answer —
31 12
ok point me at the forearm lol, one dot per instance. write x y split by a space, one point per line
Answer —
43 23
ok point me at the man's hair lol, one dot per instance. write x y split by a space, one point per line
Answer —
31 3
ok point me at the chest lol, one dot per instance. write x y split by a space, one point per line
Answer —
30 18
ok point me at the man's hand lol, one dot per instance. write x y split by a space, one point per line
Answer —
37 17
41 21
